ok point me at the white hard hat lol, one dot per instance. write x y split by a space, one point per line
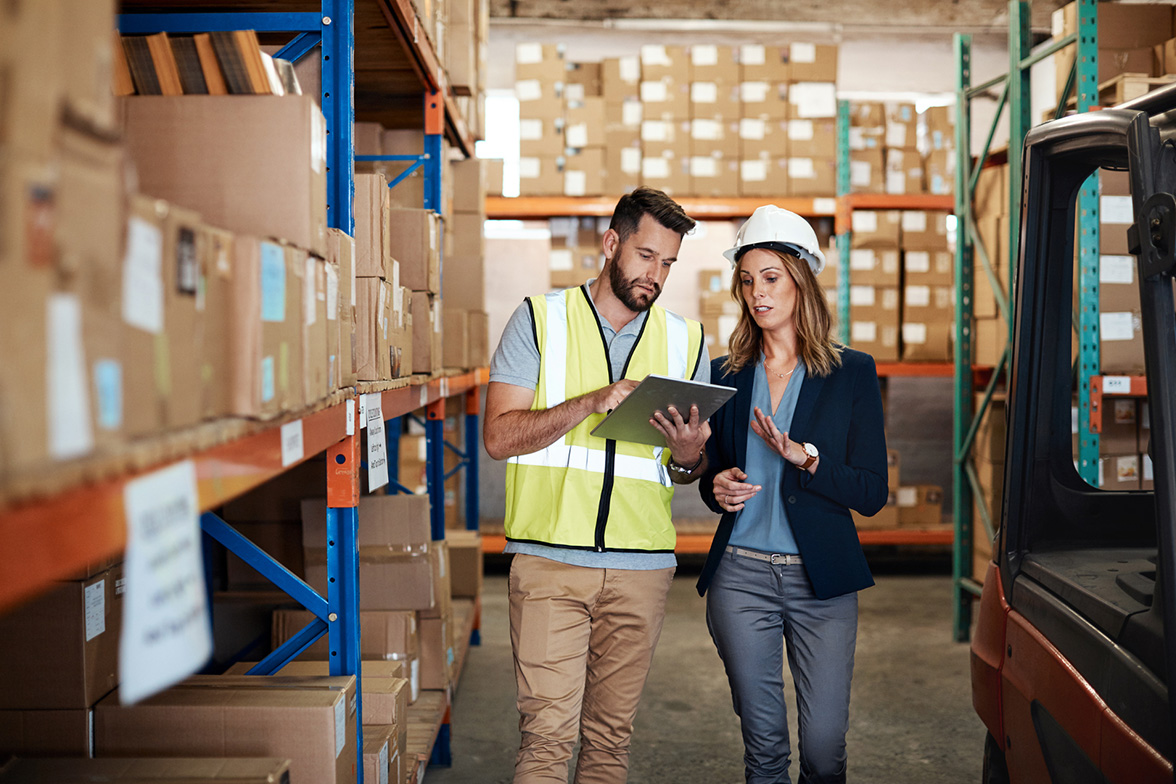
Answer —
777 228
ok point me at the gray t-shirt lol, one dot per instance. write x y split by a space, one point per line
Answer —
516 361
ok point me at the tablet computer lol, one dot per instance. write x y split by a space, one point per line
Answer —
629 421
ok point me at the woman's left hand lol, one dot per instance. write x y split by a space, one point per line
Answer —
685 438
778 442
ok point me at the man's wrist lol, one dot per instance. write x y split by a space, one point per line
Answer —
682 469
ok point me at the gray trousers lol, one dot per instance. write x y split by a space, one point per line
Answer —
753 608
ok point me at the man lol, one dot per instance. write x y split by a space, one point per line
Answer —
587 519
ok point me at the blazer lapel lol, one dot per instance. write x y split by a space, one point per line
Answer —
744 381
810 391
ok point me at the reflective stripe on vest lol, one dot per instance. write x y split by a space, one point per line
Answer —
566 494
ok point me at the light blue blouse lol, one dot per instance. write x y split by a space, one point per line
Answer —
762 524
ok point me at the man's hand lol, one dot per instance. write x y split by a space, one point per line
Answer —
685 438
605 399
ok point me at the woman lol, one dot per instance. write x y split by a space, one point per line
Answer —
800 445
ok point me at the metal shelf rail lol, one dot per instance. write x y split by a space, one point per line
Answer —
1015 95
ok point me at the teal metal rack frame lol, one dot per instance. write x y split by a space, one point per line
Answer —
1015 96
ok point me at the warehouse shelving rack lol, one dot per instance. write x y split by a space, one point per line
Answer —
71 528
1015 93
734 208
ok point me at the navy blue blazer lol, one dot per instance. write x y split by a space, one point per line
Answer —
842 415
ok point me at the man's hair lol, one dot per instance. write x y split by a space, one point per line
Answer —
654 203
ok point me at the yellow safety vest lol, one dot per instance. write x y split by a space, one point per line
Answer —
585 492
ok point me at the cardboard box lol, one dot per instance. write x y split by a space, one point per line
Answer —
992 192
939 172
479 321
886 519
144 373
541 175
764 177
716 99
204 153
939 124
384 635
989 336
812 100
714 175
867 171
874 321
920 506
455 352
58 733
925 230
893 463
426 333
1120 428
902 126
414 239
379 747
372 329
437 652
1147 479
928 268
620 79
1121 343
989 444
928 340
60 650
184 770
764 99
876 229
398 521
874 266
812 176
465 561
904 172
539 61
584 172
758 63
341 249
310 721
671 175
812 62
812 138
1119 472
388 579
371 211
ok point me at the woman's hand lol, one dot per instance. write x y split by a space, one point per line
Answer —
731 491
778 442
685 438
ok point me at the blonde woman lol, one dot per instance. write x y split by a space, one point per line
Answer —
800 445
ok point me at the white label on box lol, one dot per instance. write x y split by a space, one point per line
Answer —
862 296
704 55
332 292
896 135
310 293
530 130
800 130
654 54
857 139
560 259
529 168
801 169
753 92
655 131
1116 326
895 182
863 332
382 763
1101 478
918 296
576 135
350 414
654 92
1115 209
95 599
528 90
437 323
575 183
657 168
704 166
166 632
292 449
382 308
1127 468
752 54
377 451
631 160
802 53
754 170
71 432
1116 269
750 128
914 221
706 130
890 298
340 726
914 332
824 206
273 283
318 142
1148 469
865 221
907 496
632 113
574 93
917 261
1116 385
528 53
860 173
629 68
814 99
1073 420
142 281
704 92
862 259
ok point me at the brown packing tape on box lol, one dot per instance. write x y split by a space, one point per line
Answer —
313 727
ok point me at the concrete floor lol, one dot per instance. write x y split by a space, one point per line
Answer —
911 712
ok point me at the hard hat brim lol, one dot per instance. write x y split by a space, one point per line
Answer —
816 261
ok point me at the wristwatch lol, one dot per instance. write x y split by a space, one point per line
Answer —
811 455
673 465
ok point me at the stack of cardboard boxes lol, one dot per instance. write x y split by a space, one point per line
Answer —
705 120
466 328
384 319
991 209
577 253
895 150
988 454
875 278
717 310
928 301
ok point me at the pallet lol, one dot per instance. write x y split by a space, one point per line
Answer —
425 717
1123 87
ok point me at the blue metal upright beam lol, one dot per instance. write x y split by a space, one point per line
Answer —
343 599
472 446
338 53
435 465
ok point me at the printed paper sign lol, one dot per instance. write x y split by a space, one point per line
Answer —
292 449
377 451
350 417
166 633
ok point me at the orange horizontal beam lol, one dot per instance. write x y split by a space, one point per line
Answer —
887 201
919 369
538 207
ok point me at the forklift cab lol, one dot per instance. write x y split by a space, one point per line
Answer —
1075 642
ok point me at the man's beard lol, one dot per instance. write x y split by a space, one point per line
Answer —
626 290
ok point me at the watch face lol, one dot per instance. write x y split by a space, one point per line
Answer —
811 450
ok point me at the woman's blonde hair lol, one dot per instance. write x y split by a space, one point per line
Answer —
814 323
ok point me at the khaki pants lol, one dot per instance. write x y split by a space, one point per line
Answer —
583 641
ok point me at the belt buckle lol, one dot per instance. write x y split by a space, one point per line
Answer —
778 558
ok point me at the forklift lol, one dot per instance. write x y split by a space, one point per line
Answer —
1075 638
